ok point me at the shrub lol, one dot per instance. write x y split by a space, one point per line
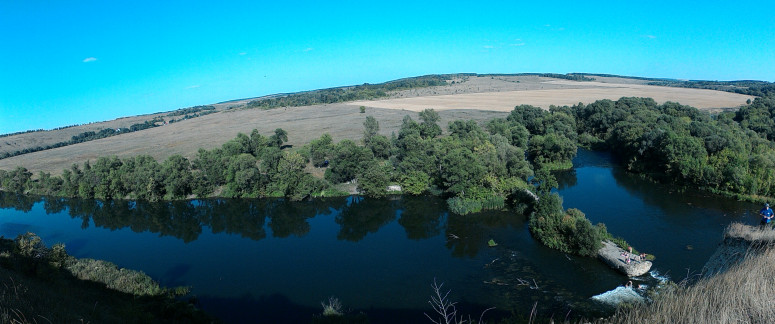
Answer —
568 231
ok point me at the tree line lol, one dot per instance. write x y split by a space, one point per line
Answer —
360 92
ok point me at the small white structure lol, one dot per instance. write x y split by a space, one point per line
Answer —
393 188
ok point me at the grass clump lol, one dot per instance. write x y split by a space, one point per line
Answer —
333 307
333 313
464 206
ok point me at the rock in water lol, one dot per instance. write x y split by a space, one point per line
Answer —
613 256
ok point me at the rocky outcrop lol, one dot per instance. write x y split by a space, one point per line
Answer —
613 256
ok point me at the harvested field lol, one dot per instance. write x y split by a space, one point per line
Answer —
585 92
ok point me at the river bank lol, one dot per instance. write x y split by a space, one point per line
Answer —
39 284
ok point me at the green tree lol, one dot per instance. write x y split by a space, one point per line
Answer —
551 148
178 179
429 127
17 180
373 180
280 136
349 161
370 128
320 149
242 177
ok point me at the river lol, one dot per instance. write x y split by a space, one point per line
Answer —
275 261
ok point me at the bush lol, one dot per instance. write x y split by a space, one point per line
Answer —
568 231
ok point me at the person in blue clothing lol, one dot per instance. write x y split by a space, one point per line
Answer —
767 215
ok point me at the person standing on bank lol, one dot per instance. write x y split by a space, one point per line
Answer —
767 215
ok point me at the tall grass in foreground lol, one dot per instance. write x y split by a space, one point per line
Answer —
750 233
742 294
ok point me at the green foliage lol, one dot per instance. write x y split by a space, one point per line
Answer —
464 206
429 127
349 160
379 145
35 279
16 180
320 150
242 176
551 148
727 153
532 118
29 245
280 136
178 178
373 180
568 231
414 182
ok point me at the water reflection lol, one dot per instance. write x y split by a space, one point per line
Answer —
566 179
421 217
19 202
358 218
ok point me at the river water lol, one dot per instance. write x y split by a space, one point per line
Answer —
274 261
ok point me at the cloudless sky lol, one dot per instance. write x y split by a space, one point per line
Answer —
73 62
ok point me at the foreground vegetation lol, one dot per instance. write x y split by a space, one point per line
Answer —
742 294
46 285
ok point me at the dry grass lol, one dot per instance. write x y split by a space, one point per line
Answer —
586 92
22 141
741 294
750 233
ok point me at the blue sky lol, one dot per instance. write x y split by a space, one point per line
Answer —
74 62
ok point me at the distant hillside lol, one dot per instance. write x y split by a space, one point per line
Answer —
306 115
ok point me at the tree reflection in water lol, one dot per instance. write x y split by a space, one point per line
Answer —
421 217
361 216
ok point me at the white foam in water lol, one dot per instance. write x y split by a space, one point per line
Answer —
656 275
619 295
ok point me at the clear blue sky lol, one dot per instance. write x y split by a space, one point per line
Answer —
73 62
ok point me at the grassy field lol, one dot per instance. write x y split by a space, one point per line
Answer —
467 97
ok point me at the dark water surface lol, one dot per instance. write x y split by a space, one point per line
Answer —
274 261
